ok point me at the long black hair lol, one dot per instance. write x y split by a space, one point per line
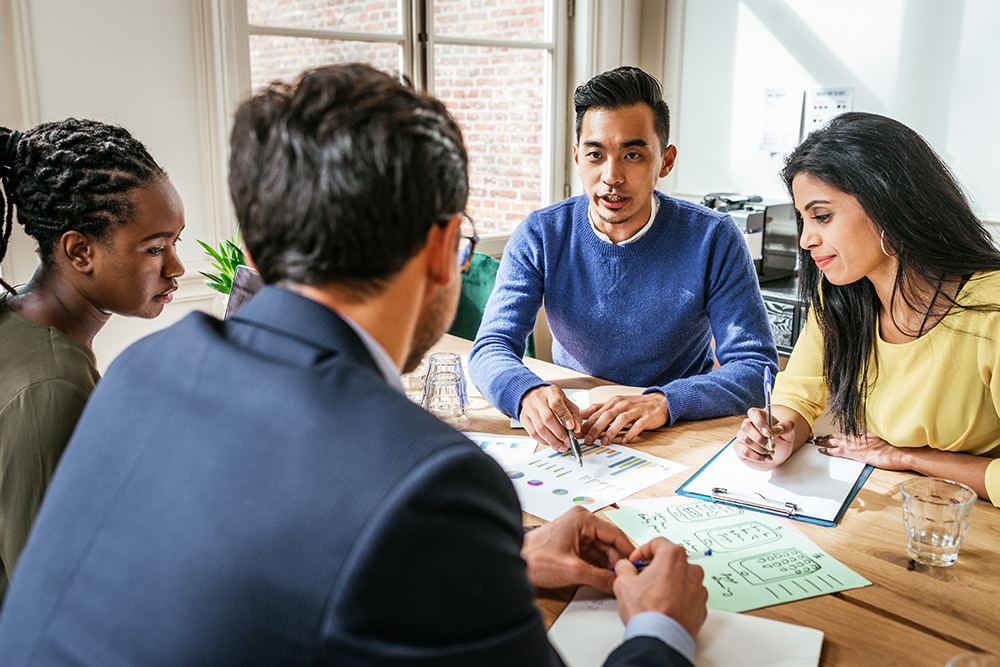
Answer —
69 175
914 201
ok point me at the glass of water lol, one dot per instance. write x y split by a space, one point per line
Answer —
936 514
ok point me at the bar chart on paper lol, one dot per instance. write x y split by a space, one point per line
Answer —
549 483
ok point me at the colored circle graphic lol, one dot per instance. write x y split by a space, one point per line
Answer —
560 492
583 500
513 474
535 482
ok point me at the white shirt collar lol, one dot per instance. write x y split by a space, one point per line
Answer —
635 237
385 364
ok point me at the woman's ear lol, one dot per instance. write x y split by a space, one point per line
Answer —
78 250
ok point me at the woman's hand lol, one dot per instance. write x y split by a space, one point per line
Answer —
867 448
752 441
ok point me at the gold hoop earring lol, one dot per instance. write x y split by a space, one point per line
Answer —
882 243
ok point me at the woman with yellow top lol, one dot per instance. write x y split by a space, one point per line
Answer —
903 335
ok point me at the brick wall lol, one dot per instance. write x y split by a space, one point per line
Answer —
496 95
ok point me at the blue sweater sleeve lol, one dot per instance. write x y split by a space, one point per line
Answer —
495 364
744 345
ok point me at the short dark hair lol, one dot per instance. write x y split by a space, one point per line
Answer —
624 87
71 175
338 178
914 201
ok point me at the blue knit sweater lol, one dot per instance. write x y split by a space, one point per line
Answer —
640 314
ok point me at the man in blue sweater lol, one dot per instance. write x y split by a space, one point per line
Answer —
635 283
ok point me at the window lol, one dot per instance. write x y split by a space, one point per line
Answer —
494 63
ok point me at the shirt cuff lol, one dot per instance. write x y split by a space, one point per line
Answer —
662 627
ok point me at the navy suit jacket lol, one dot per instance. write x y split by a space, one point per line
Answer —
253 492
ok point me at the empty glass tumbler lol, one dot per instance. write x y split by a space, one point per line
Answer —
445 393
413 382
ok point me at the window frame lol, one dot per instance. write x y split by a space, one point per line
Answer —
418 40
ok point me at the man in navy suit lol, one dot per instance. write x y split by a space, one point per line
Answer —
260 490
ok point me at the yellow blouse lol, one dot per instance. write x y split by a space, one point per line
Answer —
941 390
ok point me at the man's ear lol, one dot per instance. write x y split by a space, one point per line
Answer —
442 247
669 157
77 249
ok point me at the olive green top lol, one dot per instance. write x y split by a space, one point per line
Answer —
45 380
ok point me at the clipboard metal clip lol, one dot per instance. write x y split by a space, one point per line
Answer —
755 500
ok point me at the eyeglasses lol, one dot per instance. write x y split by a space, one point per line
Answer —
467 242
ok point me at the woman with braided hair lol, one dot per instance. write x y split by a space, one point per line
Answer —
106 219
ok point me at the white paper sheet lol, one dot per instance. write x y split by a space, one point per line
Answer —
782 120
816 483
589 629
549 483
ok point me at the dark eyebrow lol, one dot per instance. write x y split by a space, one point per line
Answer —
160 235
642 143
816 201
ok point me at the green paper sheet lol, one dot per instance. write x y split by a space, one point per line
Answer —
756 560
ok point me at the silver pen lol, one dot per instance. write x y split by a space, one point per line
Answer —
767 405
574 444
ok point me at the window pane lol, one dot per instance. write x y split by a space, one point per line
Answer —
497 96
491 19
286 57
370 15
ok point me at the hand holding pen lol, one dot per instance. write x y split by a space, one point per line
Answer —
768 386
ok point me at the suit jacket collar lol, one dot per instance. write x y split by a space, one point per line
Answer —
289 314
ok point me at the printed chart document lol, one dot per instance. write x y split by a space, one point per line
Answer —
549 483
750 560
589 629
809 486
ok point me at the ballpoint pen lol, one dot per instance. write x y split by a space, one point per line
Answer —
767 405
574 444
641 564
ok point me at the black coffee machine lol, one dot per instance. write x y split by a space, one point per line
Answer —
769 230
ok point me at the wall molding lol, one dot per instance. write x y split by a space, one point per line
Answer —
223 76
24 63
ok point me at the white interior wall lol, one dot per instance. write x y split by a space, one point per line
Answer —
931 65
139 64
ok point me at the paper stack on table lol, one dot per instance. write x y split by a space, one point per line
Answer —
589 629
549 483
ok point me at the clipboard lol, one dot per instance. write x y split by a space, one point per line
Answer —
809 486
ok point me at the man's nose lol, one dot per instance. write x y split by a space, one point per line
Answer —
612 173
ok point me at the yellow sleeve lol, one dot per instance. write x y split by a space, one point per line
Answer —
993 482
801 386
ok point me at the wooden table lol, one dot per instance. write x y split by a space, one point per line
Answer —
912 614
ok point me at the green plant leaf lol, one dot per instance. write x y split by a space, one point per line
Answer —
225 260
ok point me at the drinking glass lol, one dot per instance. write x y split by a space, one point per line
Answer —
413 382
936 514
445 393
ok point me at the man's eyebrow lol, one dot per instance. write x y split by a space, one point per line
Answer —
642 143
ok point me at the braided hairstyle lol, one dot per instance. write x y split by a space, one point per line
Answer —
69 175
